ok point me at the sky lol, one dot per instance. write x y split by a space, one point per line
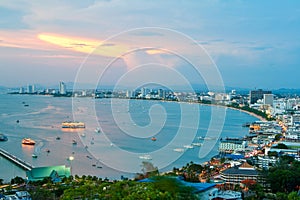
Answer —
245 44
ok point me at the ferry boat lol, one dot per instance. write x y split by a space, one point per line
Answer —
28 141
71 124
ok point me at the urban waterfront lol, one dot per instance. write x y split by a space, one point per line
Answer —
41 121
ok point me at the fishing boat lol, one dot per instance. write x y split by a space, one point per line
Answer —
28 141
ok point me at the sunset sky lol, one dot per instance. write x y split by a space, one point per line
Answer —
254 44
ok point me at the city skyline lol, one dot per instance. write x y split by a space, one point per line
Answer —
253 44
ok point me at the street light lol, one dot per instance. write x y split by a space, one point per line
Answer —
71 158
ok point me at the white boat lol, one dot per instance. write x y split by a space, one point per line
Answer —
198 144
188 146
145 157
178 150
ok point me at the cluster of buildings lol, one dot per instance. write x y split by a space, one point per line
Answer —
245 158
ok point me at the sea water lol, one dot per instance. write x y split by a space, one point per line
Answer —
124 140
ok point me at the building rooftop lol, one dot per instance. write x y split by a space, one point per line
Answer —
237 171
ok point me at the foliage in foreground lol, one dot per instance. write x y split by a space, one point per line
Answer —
160 188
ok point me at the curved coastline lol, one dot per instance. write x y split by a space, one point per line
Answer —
233 108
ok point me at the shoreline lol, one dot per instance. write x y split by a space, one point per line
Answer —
233 108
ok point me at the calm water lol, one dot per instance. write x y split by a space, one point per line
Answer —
125 139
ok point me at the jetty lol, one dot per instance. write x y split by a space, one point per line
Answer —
17 161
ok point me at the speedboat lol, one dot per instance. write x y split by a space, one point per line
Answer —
34 155
145 157
28 141
197 144
179 150
188 146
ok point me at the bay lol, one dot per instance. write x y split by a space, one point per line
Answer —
124 141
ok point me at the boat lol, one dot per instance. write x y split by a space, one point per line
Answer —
72 124
198 144
145 157
28 141
34 155
82 134
74 142
188 146
179 150
3 137
57 138
153 138
98 130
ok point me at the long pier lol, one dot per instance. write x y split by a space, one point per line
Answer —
23 164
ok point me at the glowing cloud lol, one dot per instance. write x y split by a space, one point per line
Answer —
84 45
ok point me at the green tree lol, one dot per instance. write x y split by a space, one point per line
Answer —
278 136
281 146
17 180
293 196
285 176
281 196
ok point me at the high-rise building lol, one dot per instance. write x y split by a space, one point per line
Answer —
268 99
257 94
30 89
62 88
22 90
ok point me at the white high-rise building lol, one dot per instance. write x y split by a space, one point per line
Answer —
62 88
268 99
30 89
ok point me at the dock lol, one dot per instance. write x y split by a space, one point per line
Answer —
17 161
